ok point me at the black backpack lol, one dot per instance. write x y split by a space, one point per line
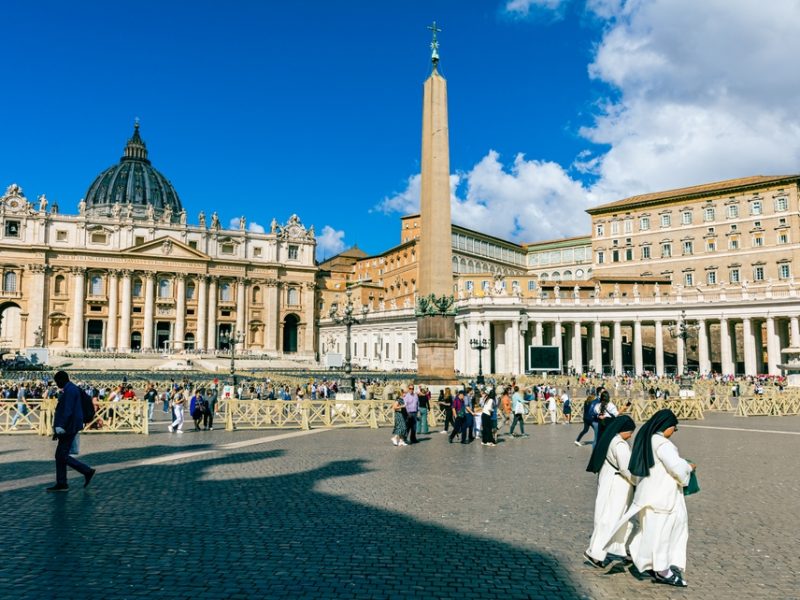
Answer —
87 406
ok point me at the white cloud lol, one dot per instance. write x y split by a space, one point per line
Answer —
330 242
525 201
255 227
524 8
707 91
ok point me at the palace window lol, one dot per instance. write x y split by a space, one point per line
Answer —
711 245
99 237
293 252
257 252
688 279
9 281
711 278
600 230
137 288
709 213
734 276
226 249
784 271
758 241
193 244
96 285
60 285
256 295
781 204
758 273
61 235
191 290
601 257
783 238
614 227
733 242
755 207
615 256
629 254
644 223
469 286
12 229
225 292
138 240
645 252
293 297
531 285
666 250
666 220
628 227
733 211
688 247
164 288
686 217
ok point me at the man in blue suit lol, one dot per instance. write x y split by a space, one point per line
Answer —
67 424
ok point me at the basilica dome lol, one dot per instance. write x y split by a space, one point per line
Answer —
133 187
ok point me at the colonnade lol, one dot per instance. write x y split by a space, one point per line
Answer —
740 344
143 316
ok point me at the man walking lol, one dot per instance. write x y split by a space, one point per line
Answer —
412 407
459 417
67 423
150 396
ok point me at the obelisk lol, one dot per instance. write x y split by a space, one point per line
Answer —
435 313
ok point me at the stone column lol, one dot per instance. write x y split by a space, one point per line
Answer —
557 341
113 302
149 310
659 331
617 361
538 333
211 332
794 331
309 302
773 348
271 312
725 346
597 346
638 357
124 340
749 345
240 311
37 309
78 301
577 347
202 312
180 311
703 356
516 369
759 342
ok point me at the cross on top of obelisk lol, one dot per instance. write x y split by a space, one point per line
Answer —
434 44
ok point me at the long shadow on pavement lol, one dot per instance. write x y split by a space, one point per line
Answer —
190 530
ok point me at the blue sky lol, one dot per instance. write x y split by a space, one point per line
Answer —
273 108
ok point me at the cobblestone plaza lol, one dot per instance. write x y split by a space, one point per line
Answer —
344 514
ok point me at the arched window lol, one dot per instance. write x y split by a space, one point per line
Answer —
96 285
225 292
567 275
556 276
191 290
543 277
10 281
256 295
293 297
164 288
60 287
137 288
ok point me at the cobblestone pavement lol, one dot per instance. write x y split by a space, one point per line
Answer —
343 514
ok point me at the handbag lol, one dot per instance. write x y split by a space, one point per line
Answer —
692 487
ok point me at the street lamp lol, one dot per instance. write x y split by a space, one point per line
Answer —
480 344
233 338
348 320
683 331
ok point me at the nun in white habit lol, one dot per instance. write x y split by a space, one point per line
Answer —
659 545
615 487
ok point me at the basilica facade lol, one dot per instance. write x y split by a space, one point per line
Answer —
129 273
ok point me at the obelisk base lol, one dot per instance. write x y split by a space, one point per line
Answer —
436 342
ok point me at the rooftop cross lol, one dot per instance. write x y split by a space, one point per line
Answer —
434 43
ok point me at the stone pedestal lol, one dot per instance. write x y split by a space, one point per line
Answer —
436 341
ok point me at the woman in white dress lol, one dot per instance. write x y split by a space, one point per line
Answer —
659 546
615 487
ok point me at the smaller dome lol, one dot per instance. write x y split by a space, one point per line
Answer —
134 185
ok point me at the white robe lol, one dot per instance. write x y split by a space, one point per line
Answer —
614 493
660 542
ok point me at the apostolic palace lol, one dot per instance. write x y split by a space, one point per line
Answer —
130 275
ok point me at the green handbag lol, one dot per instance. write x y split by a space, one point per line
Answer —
693 487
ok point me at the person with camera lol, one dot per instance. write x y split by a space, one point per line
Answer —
67 423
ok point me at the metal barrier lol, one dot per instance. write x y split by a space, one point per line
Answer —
21 417
280 414
123 416
686 409
758 406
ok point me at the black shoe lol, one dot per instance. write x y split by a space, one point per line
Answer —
675 580
88 477
59 487
597 564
